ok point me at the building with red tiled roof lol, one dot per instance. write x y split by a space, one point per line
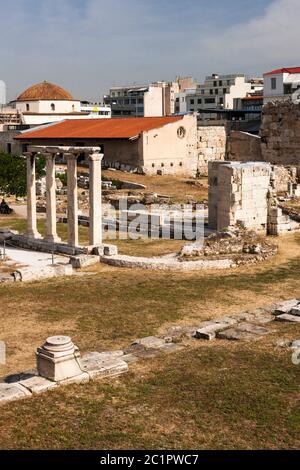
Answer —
153 145
282 84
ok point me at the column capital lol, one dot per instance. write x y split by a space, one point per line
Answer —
94 157
70 156
49 155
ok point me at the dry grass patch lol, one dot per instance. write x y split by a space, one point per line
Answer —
213 396
111 307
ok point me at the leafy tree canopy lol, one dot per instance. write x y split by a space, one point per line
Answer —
13 173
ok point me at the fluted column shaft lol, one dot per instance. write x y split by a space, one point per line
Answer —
72 200
95 194
51 228
32 230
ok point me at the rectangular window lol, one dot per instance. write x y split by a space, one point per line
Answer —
216 91
224 91
273 83
199 101
215 84
211 92
192 102
220 83
209 101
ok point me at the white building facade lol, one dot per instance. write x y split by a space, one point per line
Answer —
282 84
2 93
219 92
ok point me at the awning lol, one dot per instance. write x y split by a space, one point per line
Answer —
293 78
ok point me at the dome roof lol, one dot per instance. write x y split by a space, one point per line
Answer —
45 91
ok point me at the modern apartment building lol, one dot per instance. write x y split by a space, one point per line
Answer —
155 99
282 84
219 92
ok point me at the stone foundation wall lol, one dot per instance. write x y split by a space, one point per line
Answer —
243 147
280 133
211 146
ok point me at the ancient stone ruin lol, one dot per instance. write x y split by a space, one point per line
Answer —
243 194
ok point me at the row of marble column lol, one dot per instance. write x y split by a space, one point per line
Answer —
95 230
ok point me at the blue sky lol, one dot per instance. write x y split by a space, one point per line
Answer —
88 45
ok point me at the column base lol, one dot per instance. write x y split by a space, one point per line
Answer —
52 239
35 235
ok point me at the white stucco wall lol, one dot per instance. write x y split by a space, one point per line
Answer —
277 94
164 150
44 106
239 90
153 105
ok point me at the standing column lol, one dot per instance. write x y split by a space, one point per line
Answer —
51 230
95 199
32 231
72 199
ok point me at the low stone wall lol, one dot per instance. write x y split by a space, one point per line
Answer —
45 247
166 264
211 145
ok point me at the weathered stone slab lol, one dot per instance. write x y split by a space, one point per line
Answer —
147 353
83 261
130 358
264 318
10 392
228 320
245 316
296 311
170 348
150 342
37 384
96 366
286 307
254 329
286 317
209 332
84 377
101 356
234 334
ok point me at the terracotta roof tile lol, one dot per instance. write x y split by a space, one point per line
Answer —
123 128
45 91
284 70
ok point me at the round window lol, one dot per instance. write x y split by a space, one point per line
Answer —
181 132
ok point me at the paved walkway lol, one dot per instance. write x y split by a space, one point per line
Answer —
20 210
33 258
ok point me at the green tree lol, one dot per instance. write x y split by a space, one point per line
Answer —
13 173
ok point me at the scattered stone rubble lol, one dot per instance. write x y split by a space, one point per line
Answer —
59 361
243 247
